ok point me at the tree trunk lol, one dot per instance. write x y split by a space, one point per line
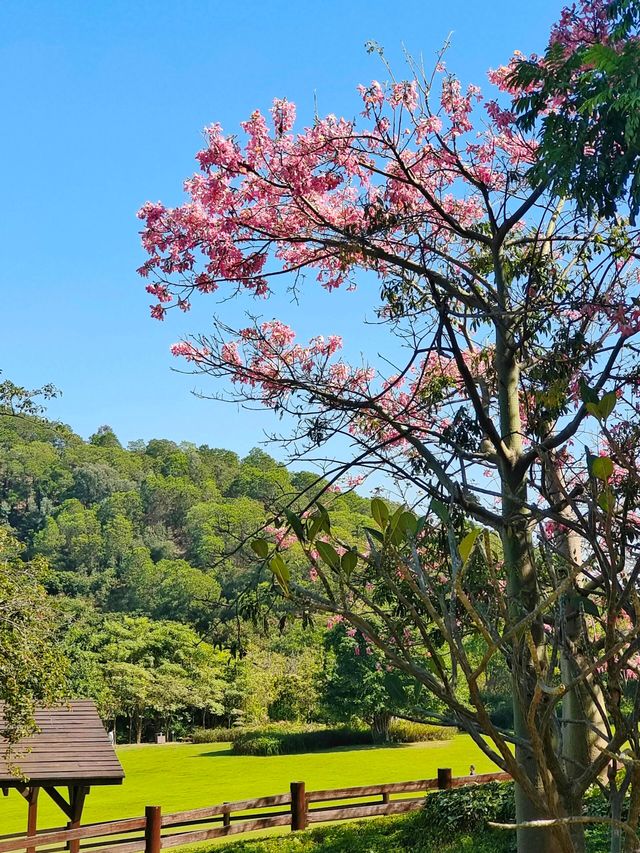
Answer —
582 719
522 591
139 728
380 726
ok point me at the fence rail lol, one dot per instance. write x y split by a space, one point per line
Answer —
155 832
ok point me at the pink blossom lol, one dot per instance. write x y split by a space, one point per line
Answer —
404 94
184 349
284 115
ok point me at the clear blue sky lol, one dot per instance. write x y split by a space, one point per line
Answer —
103 104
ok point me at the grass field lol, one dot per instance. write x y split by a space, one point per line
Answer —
185 776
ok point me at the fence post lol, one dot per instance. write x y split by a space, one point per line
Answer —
298 806
444 778
226 816
153 829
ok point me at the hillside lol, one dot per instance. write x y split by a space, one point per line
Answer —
160 603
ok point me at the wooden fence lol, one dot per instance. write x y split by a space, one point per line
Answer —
298 808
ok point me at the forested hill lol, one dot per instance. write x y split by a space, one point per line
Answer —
145 544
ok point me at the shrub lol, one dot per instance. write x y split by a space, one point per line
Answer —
219 735
403 834
225 735
469 807
405 731
272 741
500 707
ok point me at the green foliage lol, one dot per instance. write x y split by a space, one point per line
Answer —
250 735
590 147
406 731
217 735
32 668
147 541
287 741
469 807
357 683
279 677
405 834
156 675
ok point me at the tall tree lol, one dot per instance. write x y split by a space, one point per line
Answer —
32 669
514 326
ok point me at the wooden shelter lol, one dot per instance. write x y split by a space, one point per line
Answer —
70 751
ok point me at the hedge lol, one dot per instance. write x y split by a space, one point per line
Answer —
277 742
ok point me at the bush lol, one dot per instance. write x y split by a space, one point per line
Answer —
405 834
224 735
500 708
469 807
285 738
220 735
405 731
276 741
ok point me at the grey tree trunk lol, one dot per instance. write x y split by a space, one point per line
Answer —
583 724
522 589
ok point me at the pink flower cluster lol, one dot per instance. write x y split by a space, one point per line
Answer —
184 349
581 24
333 197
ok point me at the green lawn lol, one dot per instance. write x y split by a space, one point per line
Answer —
185 776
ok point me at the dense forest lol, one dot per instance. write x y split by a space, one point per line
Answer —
161 613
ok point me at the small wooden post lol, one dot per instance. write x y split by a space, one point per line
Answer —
153 829
444 778
76 802
298 806
32 817
385 798
226 816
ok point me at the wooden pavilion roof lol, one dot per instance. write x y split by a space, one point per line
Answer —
72 748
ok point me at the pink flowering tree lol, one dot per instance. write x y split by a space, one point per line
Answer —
509 423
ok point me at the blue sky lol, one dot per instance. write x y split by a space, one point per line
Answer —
103 106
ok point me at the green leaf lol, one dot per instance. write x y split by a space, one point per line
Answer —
394 532
586 394
440 510
281 571
324 515
602 56
318 522
607 404
380 513
594 409
607 501
295 524
328 554
434 661
348 562
602 467
408 523
375 534
466 546
313 526
261 548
